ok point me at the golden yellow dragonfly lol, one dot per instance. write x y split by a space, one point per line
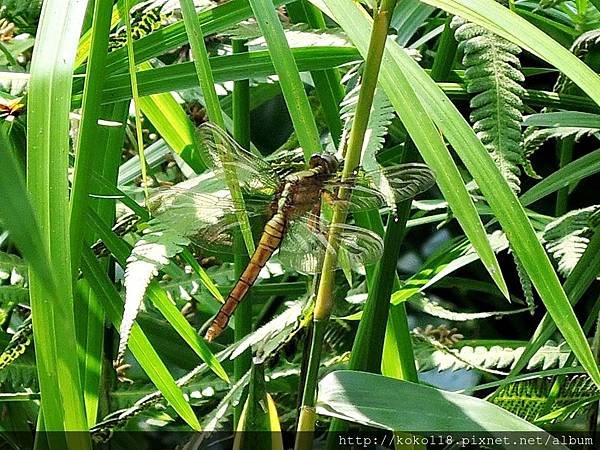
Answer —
290 202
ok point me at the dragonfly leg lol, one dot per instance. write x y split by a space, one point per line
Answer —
313 219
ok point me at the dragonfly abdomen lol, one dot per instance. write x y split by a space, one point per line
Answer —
269 242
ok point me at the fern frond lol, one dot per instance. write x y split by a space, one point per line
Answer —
297 35
567 237
19 342
534 138
13 270
432 354
149 255
529 399
424 304
382 114
526 283
580 47
493 74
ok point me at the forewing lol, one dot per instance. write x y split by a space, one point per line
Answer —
407 180
383 187
304 246
221 152
209 219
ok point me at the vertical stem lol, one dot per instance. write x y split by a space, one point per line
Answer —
324 299
135 95
446 52
565 148
243 314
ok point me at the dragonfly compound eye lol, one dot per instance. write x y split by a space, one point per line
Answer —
328 161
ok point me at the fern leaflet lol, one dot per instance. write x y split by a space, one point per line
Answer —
493 74
528 399
567 237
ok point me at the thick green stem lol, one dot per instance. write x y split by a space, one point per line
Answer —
243 315
352 158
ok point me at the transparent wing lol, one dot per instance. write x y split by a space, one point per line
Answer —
209 219
304 246
384 187
222 153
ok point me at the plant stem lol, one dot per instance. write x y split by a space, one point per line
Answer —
446 52
324 299
565 148
243 314
135 95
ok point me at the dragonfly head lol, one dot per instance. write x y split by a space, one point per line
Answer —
328 161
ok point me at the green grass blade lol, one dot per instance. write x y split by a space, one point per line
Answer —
134 91
503 202
289 76
173 124
200 55
138 343
19 218
576 170
583 275
243 313
47 171
212 20
227 68
327 82
87 154
563 119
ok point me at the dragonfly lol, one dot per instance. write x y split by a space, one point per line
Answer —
290 201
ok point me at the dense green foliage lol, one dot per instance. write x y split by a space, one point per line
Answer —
470 145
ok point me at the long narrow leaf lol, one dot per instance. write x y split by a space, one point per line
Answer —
425 136
289 76
503 22
47 171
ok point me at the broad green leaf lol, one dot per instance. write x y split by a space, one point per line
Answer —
397 405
